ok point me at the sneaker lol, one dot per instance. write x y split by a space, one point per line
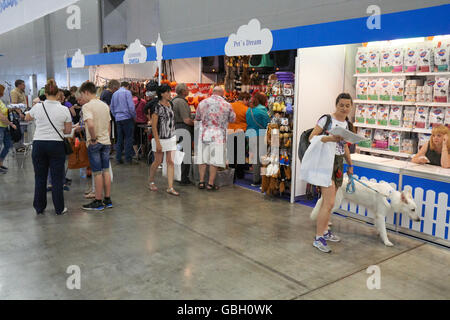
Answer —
329 236
107 203
321 244
96 205
4 168
63 212
66 188
49 188
3 171
256 185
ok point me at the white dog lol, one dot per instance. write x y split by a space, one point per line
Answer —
400 202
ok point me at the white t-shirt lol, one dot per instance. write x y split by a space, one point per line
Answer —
340 147
59 115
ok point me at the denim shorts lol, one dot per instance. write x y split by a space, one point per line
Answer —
99 157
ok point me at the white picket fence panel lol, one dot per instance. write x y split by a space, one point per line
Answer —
427 215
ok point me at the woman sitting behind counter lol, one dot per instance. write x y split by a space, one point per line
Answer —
435 152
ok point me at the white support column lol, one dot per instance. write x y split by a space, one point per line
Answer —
295 134
200 74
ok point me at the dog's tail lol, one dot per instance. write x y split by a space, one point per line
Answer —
316 210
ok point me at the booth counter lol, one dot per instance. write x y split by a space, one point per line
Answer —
429 185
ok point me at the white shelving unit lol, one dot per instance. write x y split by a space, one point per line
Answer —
386 152
377 126
405 103
402 74
396 103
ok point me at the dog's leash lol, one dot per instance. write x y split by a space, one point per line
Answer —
351 186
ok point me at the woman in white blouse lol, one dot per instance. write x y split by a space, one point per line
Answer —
53 120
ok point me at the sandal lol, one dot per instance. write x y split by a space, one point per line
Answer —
152 187
212 187
172 192
201 185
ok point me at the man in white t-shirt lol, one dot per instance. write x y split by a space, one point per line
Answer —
97 119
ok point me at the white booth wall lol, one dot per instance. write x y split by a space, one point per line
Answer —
322 74
185 70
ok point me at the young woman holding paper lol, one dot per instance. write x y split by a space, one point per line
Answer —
344 104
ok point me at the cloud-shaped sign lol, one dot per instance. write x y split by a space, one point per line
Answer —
78 60
136 53
250 39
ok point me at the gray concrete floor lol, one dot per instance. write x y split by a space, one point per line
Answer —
233 244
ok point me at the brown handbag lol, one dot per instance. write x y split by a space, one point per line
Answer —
79 158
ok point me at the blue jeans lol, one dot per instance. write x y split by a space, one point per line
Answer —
48 155
125 135
99 157
5 140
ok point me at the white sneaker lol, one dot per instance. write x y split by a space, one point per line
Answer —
329 236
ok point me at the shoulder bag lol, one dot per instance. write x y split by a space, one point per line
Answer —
67 147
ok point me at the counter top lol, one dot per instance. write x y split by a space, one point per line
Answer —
406 167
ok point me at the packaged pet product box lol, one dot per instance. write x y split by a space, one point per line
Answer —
441 58
395 116
362 59
371 114
398 60
409 114
437 116
367 133
447 118
360 113
421 117
361 88
408 146
383 115
411 59
385 90
386 60
426 59
441 90
374 61
423 139
373 89
395 141
398 90
411 89
381 138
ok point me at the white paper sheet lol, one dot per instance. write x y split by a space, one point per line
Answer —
347 135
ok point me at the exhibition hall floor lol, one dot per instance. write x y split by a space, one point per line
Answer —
232 244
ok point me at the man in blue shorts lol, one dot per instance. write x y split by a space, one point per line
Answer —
98 128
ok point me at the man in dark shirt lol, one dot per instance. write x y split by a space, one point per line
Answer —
183 120
106 97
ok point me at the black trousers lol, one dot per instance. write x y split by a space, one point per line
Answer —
48 156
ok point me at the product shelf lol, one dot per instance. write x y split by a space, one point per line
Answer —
377 126
386 152
393 103
405 103
403 74
383 74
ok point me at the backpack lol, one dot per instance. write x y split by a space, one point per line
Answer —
304 138
140 114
